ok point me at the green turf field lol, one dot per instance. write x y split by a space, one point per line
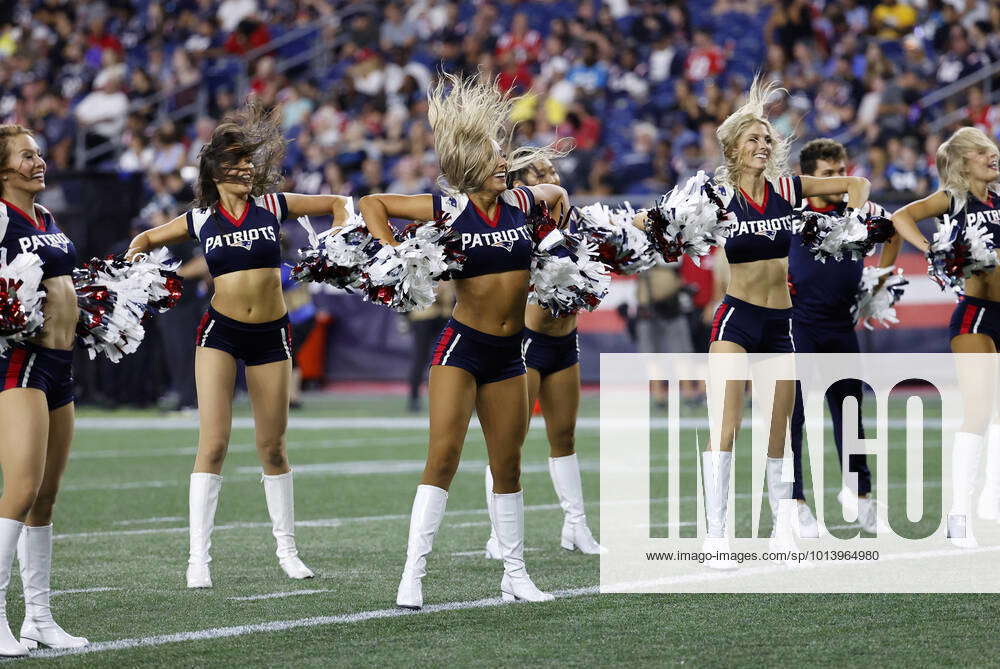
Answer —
122 544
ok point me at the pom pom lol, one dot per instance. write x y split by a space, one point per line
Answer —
337 257
404 277
876 302
620 245
156 273
22 299
855 234
568 277
689 220
115 296
957 252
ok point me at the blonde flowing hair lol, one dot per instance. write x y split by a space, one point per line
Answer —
469 117
729 133
950 159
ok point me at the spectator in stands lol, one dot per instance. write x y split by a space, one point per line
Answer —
102 112
905 173
705 59
521 42
396 29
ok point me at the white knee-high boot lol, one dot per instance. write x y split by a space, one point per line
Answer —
964 467
280 495
492 545
425 519
508 519
203 500
565 473
34 553
716 468
783 507
10 530
989 498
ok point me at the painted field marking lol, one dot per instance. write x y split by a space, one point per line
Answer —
80 591
277 595
384 423
363 616
346 520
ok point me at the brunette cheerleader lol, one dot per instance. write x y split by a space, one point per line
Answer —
237 221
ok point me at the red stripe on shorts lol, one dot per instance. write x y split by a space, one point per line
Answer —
442 345
968 317
201 327
14 368
719 313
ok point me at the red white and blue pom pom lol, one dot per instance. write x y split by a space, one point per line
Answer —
957 252
156 274
404 277
620 245
567 274
22 299
400 277
855 234
115 296
877 302
688 220
338 256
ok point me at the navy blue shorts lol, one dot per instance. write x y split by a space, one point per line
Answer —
487 357
549 354
756 329
253 343
974 315
47 369
824 336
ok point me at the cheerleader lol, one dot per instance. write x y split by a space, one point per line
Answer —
36 397
237 223
476 363
552 356
755 315
967 166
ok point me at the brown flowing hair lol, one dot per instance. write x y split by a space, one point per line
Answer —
252 133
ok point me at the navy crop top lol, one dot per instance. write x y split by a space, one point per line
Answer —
502 244
22 234
249 242
763 230
971 210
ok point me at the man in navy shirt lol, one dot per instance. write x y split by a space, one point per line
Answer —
823 295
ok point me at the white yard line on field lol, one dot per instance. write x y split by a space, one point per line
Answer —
384 423
277 595
347 520
80 591
145 521
482 552
295 444
363 616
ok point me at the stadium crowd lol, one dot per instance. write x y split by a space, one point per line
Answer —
136 86
640 84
